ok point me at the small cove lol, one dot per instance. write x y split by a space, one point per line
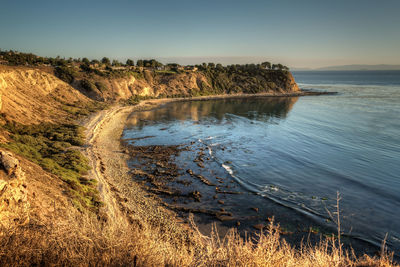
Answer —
284 157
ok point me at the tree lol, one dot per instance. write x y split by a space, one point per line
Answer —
116 63
85 61
140 63
266 65
219 67
279 66
105 60
85 67
130 62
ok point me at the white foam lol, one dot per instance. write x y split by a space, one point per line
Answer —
228 169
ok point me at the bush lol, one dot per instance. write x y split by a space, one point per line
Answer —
88 85
135 99
101 86
66 74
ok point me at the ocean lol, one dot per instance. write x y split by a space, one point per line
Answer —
288 157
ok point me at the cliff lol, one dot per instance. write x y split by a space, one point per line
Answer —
113 85
30 95
33 95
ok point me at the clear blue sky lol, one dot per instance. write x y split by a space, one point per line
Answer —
297 33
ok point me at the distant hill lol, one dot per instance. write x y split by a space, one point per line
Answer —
362 67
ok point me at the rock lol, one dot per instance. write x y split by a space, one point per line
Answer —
221 202
8 162
224 218
255 209
196 195
201 165
14 205
237 223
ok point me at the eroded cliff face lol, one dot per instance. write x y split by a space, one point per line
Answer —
150 85
188 84
32 96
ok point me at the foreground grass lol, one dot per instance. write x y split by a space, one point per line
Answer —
123 244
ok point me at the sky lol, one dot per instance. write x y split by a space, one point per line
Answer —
307 33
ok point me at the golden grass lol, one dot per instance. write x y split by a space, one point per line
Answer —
83 240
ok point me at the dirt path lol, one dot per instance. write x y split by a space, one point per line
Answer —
103 132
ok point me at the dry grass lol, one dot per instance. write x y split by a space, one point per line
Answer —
83 241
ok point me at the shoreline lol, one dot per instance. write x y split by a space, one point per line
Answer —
108 160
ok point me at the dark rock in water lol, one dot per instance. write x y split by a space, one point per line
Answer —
255 209
221 202
227 192
215 197
224 218
201 165
189 171
184 182
196 195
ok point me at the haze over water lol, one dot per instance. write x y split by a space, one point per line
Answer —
298 152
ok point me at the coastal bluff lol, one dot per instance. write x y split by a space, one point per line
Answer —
33 95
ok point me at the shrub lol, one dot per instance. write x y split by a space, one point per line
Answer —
135 99
101 86
66 74
88 85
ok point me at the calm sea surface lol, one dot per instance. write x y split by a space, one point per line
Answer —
298 152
